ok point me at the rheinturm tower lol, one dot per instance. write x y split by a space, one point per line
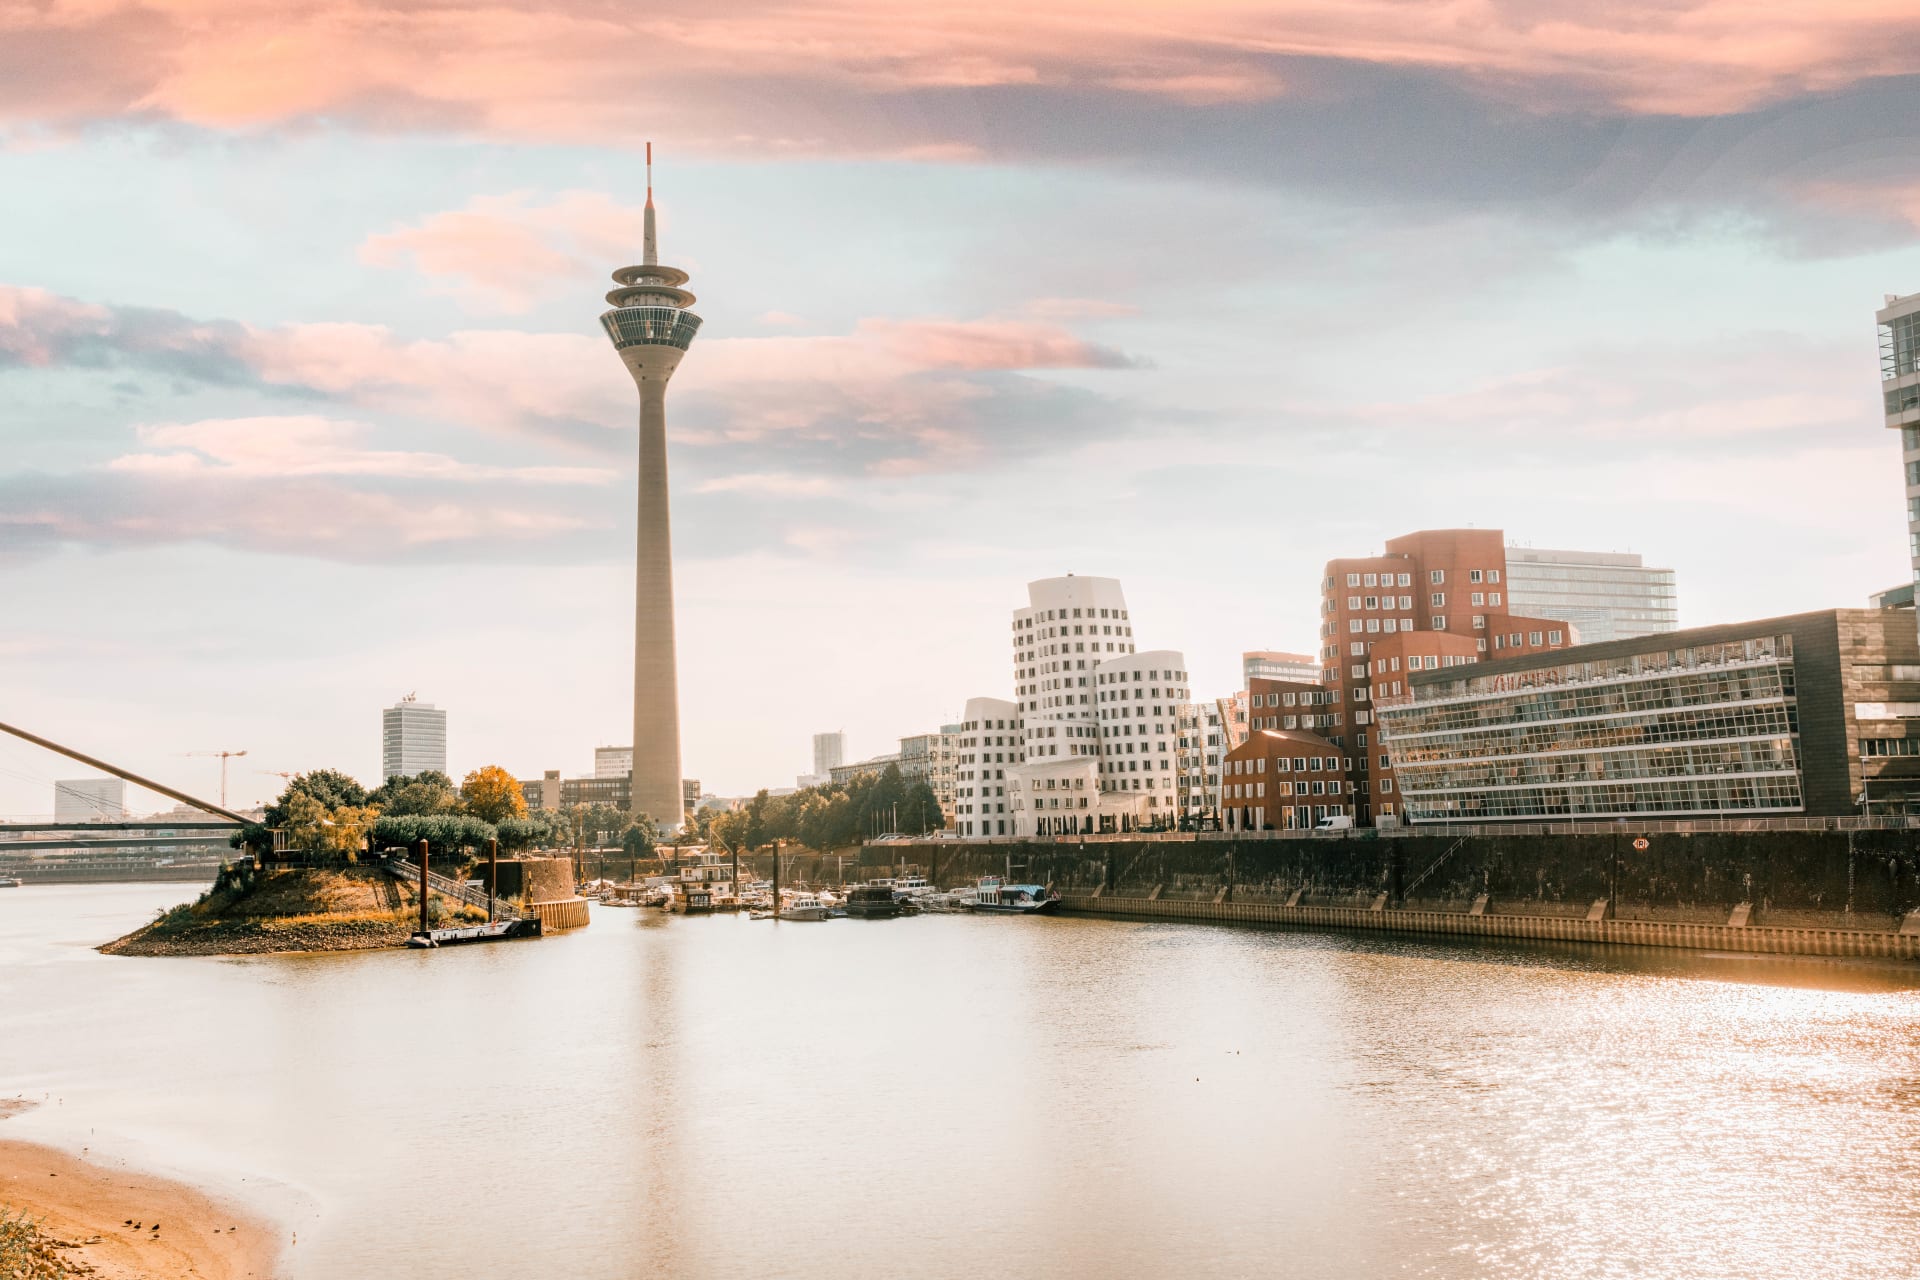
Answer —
651 328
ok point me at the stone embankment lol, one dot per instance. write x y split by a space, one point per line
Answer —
1787 892
300 909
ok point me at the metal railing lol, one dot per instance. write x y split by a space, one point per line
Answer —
404 868
1595 827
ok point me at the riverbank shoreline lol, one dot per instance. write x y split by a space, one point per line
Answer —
1749 939
128 1224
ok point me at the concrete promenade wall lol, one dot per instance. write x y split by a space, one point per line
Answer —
1800 886
1854 943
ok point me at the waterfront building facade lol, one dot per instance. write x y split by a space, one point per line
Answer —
829 750
413 739
1198 748
988 743
651 328
1899 329
91 800
1438 580
1281 781
1815 714
1601 595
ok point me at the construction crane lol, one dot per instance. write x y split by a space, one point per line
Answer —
224 757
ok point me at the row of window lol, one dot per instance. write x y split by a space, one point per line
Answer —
1614 734
1770 683
1762 756
1777 794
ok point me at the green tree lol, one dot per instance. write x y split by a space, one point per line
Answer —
428 792
328 787
641 838
491 794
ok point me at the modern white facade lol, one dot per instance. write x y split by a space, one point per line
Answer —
1198 747
988 745
1603 595
90 800
1099 719
413 739
1899 325
613 762
829 749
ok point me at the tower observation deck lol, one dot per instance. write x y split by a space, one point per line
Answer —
651 328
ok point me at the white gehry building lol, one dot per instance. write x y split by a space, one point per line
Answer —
1098 718
987 746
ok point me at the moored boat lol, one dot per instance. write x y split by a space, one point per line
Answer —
871 902
804 906
1014 899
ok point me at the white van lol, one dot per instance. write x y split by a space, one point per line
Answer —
1334 822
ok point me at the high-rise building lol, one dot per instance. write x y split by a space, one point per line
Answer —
1602 595
1267 664
413 739
651 328
1899 323
1433 599
1099 719
988 744
829 749
613 762
90 800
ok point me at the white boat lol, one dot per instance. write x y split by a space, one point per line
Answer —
12 882
804 906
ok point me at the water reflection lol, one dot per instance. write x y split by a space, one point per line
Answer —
719 1097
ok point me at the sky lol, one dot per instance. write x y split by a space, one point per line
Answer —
304 405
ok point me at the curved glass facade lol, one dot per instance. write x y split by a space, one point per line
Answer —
650 327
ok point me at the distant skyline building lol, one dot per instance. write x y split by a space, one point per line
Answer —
90 800
1270 664
1899 328
613 762
1603 595
413 739
651 328
829 750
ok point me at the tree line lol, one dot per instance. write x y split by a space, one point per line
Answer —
329 813
830 815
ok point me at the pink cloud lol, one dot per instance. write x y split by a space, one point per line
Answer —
313 446
717 75
504 253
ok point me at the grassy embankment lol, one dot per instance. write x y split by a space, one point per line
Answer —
297 909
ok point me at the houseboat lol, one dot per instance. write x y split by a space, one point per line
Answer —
1014 899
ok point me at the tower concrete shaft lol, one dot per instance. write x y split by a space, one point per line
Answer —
651 328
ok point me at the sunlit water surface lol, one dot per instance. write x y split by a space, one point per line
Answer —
950 1095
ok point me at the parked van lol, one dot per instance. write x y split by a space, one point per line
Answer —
1334 822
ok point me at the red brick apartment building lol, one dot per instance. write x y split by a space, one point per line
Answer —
1436 599
1280 781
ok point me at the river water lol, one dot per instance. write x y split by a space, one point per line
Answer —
717 1097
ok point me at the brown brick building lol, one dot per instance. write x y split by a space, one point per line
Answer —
1447 584
1280 781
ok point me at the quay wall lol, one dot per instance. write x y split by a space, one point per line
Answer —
1860 881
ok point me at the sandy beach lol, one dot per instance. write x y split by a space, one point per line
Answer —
128 1224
